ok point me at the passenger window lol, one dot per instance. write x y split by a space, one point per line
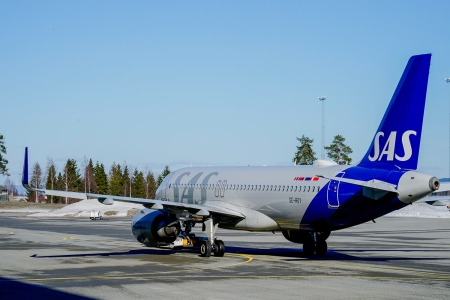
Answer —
264 187
314 188
318 188
308 188
304 188
259 187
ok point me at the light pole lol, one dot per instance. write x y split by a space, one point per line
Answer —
448 81
322 99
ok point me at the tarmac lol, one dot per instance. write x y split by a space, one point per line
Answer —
68 258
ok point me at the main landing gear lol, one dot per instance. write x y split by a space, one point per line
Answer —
211 245
315 244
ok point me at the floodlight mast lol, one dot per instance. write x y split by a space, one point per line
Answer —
322 153
448 81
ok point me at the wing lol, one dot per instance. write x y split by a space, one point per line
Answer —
177 207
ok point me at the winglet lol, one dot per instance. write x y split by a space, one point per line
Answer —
25 169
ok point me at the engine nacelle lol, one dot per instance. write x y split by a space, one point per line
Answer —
301 236
153 227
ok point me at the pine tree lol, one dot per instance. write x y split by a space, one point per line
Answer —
305 154
338 151
163 175
115 180
36 182
138 185
101 180
126 181
89 183
59 186
150 186
3 161
51 177
72 178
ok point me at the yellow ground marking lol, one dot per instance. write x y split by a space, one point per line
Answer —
389 269
191 276
148 274
339 264
351 265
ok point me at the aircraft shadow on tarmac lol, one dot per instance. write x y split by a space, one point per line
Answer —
13 289
291 254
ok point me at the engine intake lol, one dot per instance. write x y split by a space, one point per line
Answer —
152 227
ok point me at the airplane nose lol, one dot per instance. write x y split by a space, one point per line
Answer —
434 184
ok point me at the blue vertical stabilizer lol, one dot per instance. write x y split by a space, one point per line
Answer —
397 141
25 168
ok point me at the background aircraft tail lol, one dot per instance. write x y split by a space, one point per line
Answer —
397 140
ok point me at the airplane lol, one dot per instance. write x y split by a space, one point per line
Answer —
305 203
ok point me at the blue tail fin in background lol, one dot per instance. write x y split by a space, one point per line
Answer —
25 168
397 140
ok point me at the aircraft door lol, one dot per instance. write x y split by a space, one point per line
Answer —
333 192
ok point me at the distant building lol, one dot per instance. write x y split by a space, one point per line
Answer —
5 194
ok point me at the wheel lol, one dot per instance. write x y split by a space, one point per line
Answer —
219 249
308 248
321 248
205 249
322 235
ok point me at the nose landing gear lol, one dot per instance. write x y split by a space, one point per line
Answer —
211 245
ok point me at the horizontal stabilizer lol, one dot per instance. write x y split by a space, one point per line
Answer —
436 200
371 184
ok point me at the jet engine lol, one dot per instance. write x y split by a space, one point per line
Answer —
153 227
301 236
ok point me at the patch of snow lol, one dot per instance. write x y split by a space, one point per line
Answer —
421 210
84 208
25 210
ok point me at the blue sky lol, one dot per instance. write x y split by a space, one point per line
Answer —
212 82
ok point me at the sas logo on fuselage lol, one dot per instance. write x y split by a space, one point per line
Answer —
389 147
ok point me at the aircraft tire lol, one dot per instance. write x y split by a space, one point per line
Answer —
205 249
219 249
321 248
308 248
